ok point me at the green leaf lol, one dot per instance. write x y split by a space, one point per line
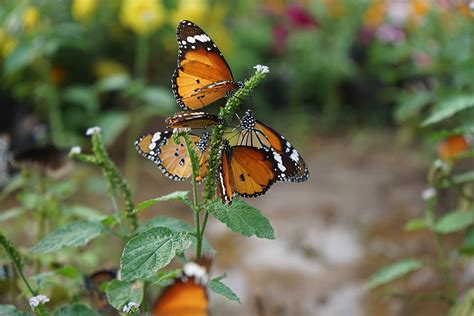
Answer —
394 271
158 100
467 246
448 108
416 224
216 286
111 83
119 293
150 251
83 96
113 123
453 222
411 104
242 218
75 310
21 57
11 213
44 279
178 195
85 212
74 234
10 310
176 226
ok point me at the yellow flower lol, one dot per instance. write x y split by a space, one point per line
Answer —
82 10
375 14
7 43
108 68
142 16
30 17
193 10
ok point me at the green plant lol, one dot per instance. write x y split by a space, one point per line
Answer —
151 245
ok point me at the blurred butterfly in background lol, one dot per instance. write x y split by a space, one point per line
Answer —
47 158
97 296
193 120
249 171
170 157
257 134
187 295
202 75
453 146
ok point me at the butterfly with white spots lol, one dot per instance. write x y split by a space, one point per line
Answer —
202 75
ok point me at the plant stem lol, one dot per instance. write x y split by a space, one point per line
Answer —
441 257
141 56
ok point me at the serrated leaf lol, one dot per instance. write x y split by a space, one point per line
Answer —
467 246
119 293
74 234
448 108
178 195
10 310
150 251
75 310
416 224
176 226
394 271
216 286
242 218
453 222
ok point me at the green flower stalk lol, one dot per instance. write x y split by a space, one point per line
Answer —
114 179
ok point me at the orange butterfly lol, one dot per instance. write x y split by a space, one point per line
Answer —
187 296
172 158
193 120
248 171
257 134
453 146
203 75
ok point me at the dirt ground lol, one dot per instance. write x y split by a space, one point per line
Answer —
333 231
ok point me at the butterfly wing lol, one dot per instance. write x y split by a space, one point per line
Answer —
193 120
170 157
183 298
247 171
203 75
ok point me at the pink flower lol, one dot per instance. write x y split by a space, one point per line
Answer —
390 34
299 17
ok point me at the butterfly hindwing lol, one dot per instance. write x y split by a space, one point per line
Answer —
257 134
202 75
186 296
170 157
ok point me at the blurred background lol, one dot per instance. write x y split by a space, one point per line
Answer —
351 83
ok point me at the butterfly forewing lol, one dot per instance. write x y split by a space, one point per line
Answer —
203 75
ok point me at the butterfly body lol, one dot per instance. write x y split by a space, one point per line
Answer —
203 75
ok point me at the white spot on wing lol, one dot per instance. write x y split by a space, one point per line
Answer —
156 136
191 39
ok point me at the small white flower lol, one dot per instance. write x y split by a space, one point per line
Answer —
37 300
262 68
130 306
75 150
428 193
440 164
192 269
93 130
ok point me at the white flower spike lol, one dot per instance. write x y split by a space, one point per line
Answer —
428 194
75 150
35 301
93 130
262 68
130 307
